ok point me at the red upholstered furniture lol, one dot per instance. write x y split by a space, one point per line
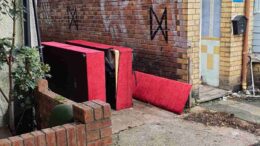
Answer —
165 93
122 98
77 73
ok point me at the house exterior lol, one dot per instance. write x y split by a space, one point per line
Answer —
187 40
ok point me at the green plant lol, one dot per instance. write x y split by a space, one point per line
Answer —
3 5
24 66
28 71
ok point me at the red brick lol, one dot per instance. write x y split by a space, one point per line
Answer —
93 135
107 141
71 134
81 134
105 107
16 141
5 142
28 139
106 123
83 113
60 135
97 109
42 85
95 143
39 138
45 103
105 132
98 124
50 137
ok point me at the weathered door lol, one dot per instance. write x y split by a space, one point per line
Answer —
210 41
256 32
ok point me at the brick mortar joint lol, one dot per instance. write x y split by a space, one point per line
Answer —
33 136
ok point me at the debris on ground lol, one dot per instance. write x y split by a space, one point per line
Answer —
221 119
242 96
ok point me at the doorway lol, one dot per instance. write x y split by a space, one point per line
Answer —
210 42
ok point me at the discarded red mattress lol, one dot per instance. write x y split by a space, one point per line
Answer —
122 98
165 93
77 73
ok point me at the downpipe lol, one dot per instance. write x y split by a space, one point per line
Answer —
246 47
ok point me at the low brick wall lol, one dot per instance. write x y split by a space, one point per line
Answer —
92 124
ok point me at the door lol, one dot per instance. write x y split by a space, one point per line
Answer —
210 41
256 30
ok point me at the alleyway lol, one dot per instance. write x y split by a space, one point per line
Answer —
148 125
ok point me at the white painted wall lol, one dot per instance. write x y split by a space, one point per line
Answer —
6 31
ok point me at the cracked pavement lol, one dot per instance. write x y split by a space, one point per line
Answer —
146 125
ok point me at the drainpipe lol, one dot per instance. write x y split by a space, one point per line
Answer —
246 46
37 29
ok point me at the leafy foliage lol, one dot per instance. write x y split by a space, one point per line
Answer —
28 67
3 5
24 70
11 8
28 71
5 44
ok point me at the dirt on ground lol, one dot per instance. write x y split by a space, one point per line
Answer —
221 119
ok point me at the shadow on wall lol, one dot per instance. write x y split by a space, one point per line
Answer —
3 103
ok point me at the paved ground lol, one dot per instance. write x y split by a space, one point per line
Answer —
248 110
146 125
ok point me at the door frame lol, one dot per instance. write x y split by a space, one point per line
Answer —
200 43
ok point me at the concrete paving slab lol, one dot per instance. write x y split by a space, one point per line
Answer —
146 125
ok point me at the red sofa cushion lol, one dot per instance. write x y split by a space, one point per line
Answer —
165 93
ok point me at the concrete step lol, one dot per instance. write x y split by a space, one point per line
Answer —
208 93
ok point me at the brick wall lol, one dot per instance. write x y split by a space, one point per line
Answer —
231 46
193 36
92 124
46 100
127 23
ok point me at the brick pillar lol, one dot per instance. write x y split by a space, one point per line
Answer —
193 36
231 46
